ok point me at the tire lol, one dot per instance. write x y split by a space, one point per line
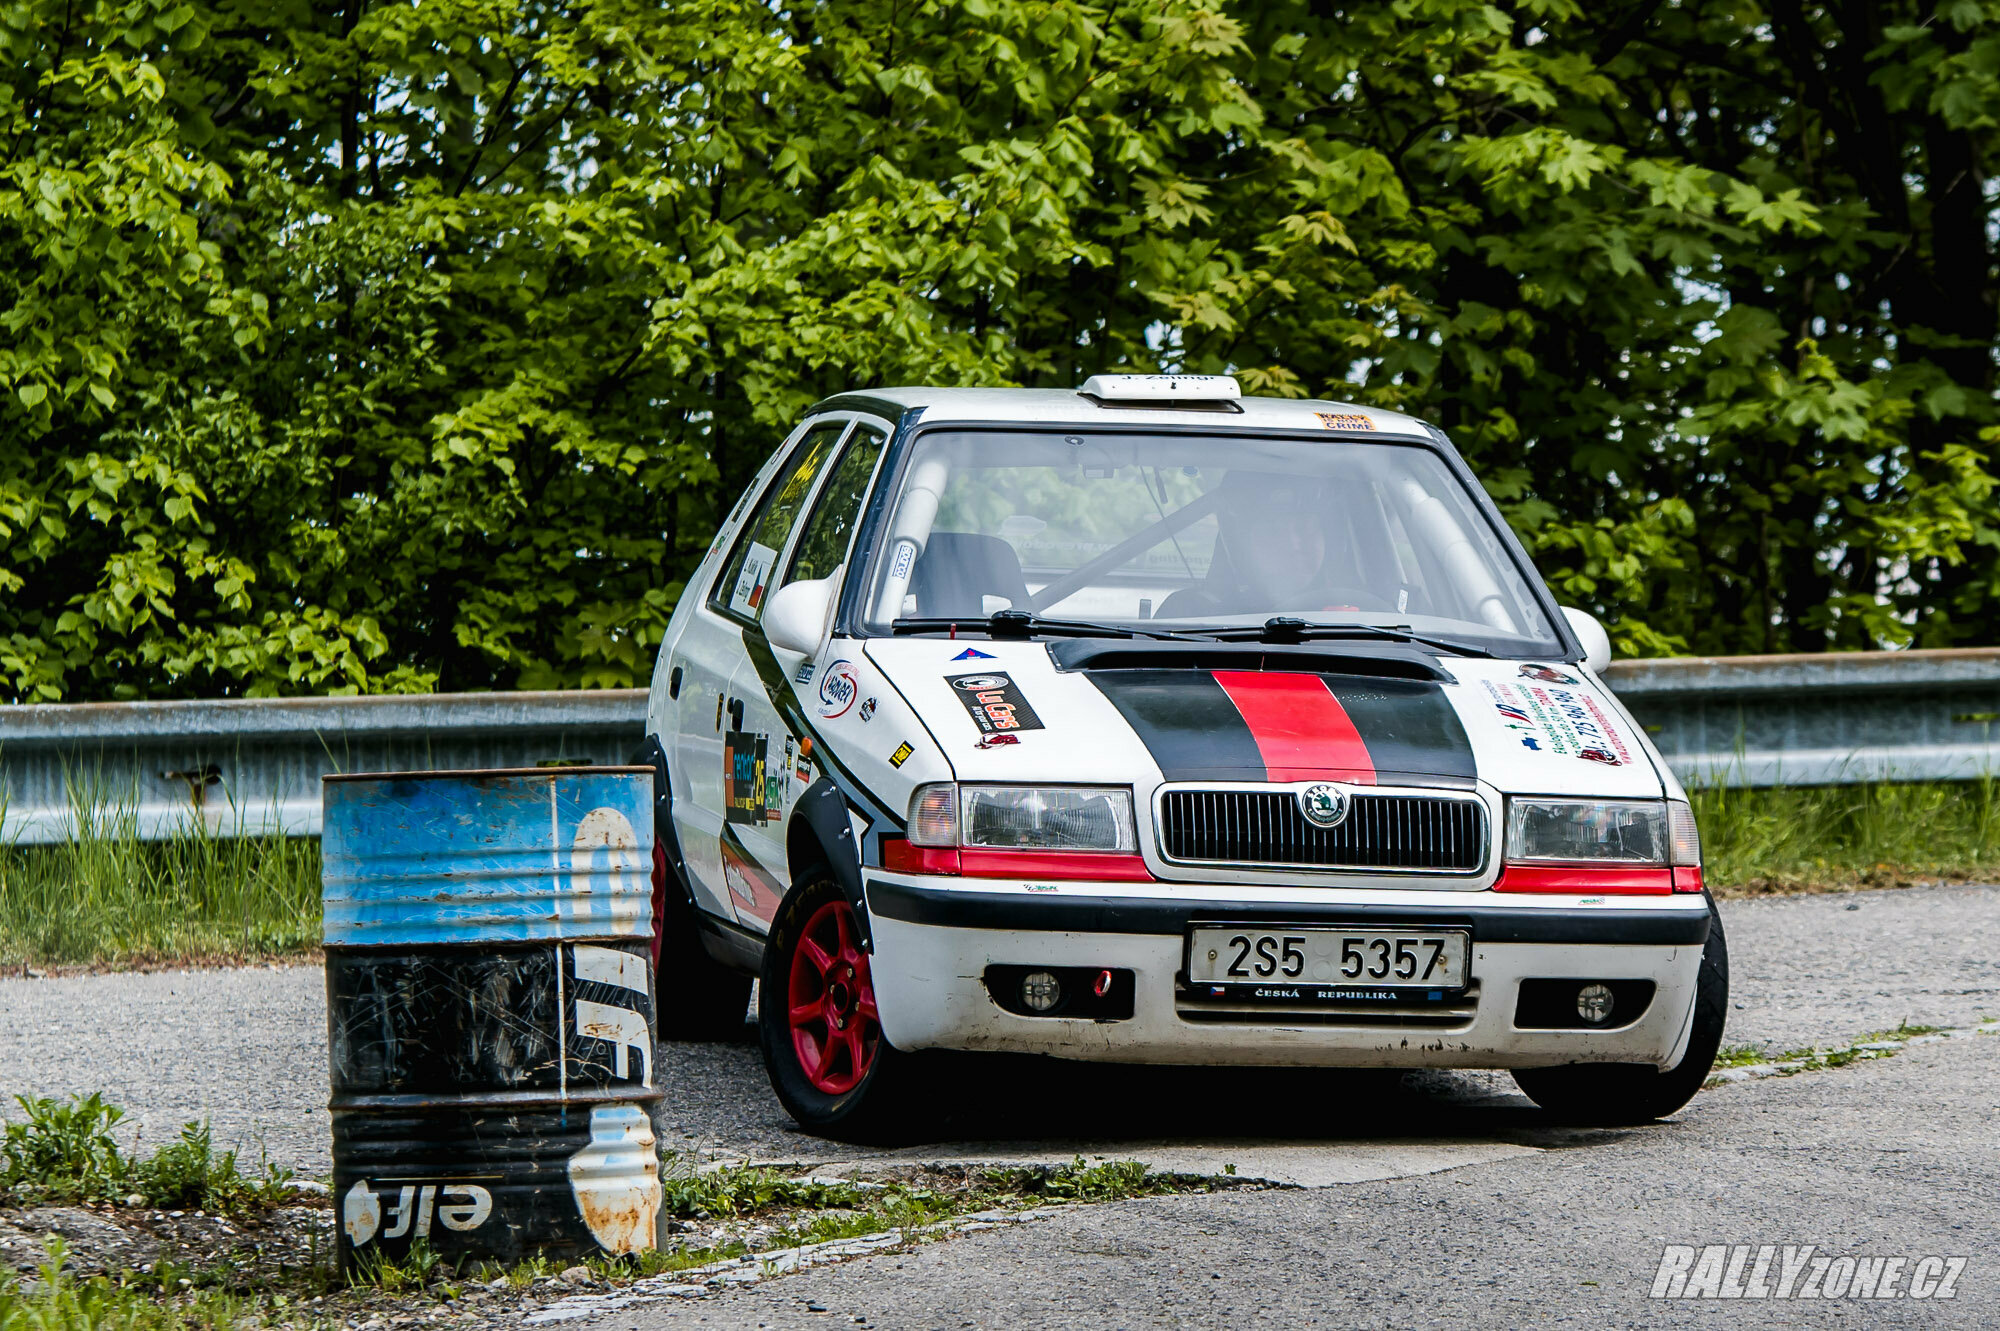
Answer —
833 1070
695 997
1615 1094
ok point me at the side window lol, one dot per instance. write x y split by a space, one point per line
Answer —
746 580
823 544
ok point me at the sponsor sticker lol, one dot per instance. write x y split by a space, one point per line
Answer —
1344 420
901 755
1566 722
994 703
996 740
973 654
805 675
1548 676
868 710
748 594
906 553
745 796
838 688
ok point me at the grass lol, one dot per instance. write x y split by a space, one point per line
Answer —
64 1152
108 897
1820 838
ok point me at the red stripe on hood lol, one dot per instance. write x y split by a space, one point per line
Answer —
1301 729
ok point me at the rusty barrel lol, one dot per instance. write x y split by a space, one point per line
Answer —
490 1022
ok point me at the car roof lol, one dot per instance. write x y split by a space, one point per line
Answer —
1068 407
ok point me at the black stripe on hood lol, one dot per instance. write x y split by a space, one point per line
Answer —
1194 732
1186 722
1411 730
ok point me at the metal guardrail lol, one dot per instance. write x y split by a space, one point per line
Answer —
247 766
1835 719
254 765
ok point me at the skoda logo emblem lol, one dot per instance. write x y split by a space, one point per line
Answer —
1323 805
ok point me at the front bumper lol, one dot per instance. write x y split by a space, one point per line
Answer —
934 939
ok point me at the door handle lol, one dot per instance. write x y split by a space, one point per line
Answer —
736 714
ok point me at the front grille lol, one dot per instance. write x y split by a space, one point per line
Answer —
1258 827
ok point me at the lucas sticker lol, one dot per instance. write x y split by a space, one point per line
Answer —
994 703
1566 722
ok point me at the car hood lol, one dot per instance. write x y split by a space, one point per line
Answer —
1005 711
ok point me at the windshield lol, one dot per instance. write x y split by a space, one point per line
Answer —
1184 531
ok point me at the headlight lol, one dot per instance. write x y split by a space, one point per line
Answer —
1683 836
1587 831
1024 817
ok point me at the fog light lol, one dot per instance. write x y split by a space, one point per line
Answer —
1593 1004
1042 991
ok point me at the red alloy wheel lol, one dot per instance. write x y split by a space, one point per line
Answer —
831 1002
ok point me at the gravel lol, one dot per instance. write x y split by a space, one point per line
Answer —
246 1048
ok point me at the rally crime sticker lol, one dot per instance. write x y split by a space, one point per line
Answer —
995 703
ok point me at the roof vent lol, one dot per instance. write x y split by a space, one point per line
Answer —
1197 392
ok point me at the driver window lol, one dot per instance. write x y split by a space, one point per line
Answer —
746 581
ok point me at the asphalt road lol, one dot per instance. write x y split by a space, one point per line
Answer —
1452 1201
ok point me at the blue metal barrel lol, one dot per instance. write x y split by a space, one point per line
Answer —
490 1024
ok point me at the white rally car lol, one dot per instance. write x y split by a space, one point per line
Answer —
1152 723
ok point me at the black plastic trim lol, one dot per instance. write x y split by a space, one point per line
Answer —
729 943
970 908
1389 659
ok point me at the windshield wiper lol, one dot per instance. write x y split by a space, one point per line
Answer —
1021 624
1284 629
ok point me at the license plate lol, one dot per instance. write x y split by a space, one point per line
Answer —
1367 958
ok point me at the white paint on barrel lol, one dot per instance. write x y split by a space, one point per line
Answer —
607 846
360 1213
616 1179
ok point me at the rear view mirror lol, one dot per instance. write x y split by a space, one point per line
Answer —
1596 642
795 620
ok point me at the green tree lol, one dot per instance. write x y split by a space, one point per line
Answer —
368 345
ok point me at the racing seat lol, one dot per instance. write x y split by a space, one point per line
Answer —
959 569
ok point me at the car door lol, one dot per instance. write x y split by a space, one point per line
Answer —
772 766
736 761
703 659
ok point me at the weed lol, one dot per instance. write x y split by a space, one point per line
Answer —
742 1189
1740 1056
1078 1182
65 1152
420 1267
62 1302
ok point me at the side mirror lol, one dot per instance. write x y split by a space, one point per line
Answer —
795 619
1596 642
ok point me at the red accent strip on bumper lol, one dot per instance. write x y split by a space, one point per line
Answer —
1098 865
1624 880
1302 731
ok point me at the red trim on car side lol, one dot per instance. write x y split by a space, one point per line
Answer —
1623 880
1687 878
1100 865
1302 731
